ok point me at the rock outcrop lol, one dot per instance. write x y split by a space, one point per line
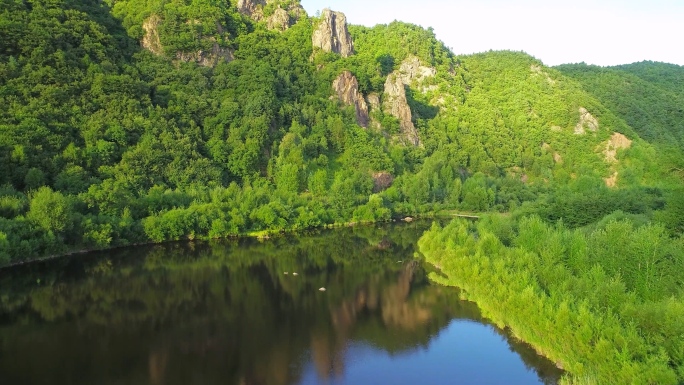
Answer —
586 122
616 142
281 19
332 34
374 101
537 70
346 87
382 181
410 72
152 43
396 104
374 104
151 40
611 181
251 8
610 148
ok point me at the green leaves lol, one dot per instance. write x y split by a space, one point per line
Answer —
601 304
4 249
50 210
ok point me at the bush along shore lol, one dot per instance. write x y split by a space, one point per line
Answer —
604 302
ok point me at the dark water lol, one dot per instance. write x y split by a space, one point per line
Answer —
225 313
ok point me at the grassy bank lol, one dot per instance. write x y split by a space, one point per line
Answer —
605 304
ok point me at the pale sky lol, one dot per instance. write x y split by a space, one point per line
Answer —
601 32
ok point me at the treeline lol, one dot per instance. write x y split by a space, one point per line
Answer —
604 302
50 222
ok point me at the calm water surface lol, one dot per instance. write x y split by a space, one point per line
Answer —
227 313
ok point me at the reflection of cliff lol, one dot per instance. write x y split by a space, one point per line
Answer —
396 310
327 353
391 299
386 300
157 363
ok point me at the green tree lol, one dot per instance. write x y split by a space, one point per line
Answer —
4 249
50 210
318 182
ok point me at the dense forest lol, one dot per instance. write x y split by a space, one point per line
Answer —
127 122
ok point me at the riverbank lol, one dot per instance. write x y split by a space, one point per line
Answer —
586 301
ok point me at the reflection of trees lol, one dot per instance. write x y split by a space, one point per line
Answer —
220 312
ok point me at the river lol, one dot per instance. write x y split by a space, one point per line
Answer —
343 306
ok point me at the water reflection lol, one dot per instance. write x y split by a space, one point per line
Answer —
225 313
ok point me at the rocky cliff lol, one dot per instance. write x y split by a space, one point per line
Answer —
206 58
151 40
411 72
251 8
332 34
346 86
396 104
610 150
284 15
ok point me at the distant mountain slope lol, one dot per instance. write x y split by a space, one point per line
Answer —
664 75
517 113
648 96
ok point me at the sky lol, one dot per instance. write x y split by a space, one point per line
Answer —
600 32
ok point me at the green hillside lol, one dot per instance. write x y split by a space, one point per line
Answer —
648 96
149 121
127 122
592 276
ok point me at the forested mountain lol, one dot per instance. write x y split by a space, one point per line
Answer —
667 76
127 122
137 121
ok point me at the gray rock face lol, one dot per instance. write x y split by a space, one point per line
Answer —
250 7
347 88
411 71
151 39
374 101
282 18
586 122
382 181
332 34
395 103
